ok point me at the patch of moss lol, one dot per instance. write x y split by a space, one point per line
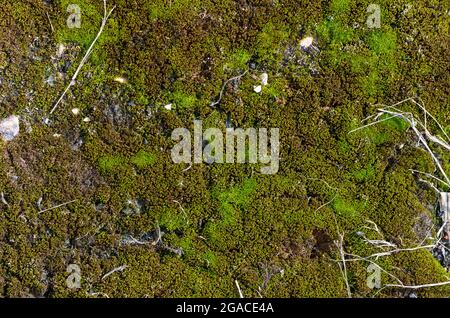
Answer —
109 163
91 18
143 159
238 59
365 174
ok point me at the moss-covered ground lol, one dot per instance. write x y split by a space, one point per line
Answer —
230 222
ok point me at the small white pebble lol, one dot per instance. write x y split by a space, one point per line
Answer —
168 106
120 79
56 135
264 78
86 119
75 111
9 128
306 42
61 49
257 89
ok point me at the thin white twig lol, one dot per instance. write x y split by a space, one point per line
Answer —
343 267
430 176
106 16
50 21
223 88
56 206
239 289
419 286
2 197
117 269
159 234
373 123
432 186
182 210
131 240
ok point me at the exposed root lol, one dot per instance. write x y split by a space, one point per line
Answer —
393 249
224 86
342 262
425 139
419 127
159 242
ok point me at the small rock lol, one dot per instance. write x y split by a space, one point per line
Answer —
61 49
86 119
120 79
264 78
9 128
306 42
257 89
168 106
50 80
75 111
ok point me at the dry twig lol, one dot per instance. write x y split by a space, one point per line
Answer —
105 18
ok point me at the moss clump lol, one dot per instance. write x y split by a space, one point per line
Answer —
365 174
109 163
143 159
348 209
238 59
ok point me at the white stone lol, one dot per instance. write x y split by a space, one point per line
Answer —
257 89
75 111
306 42
120 79
264 78
86 119
61 49
9 128
168 106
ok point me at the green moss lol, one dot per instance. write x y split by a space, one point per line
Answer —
172 220
366 174
269 40
183 100
109 163
143 159
334 33
383 42
340 6
238 59
348 209
230 221
376 135
91 18
162 10
233 199
211 259
276 87
395 123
